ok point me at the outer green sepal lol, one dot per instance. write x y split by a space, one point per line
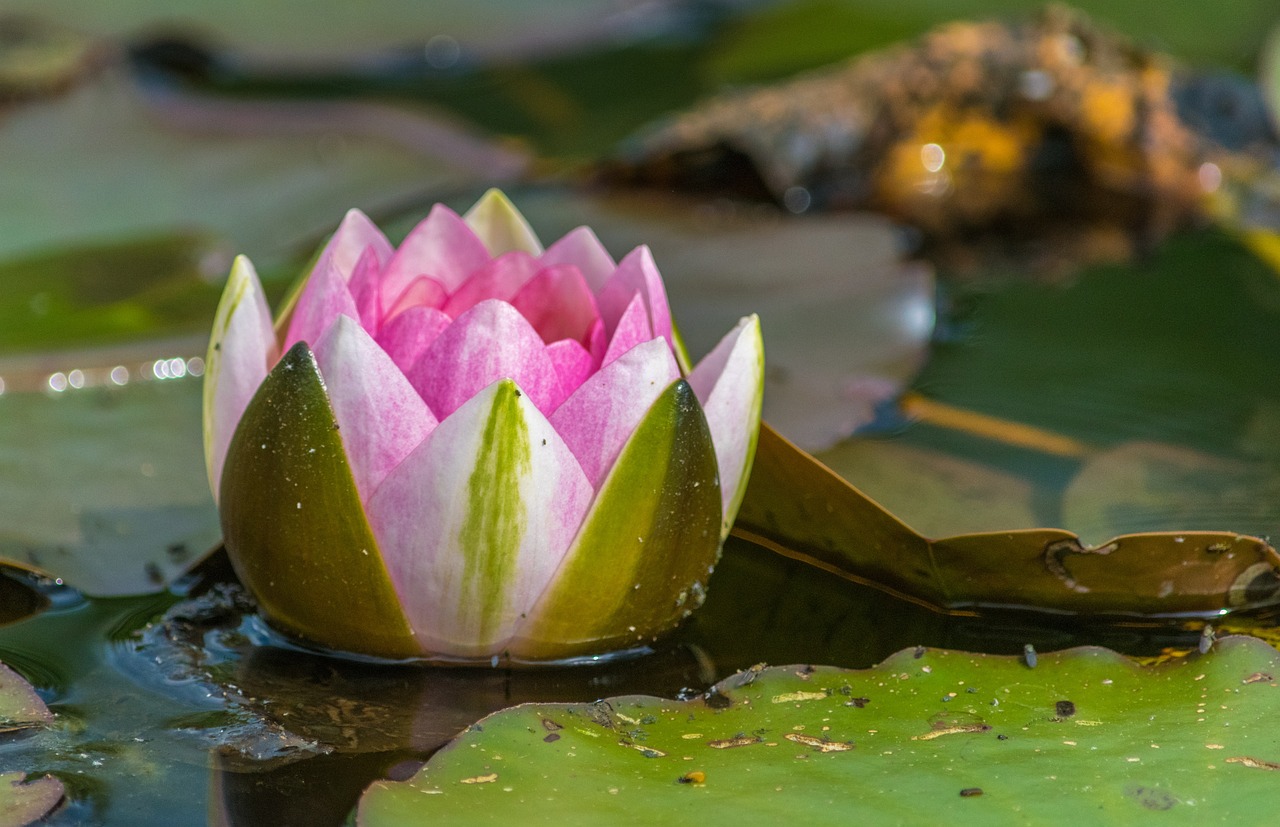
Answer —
293 523
643 555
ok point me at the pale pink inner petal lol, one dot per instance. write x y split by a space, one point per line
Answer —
500 279
364 288
636 273
381 418
241 352
441 246
353 238
406 336
323 300
601 415
583 250
491 341
423 291
728 384
559 304
632 329
573 365
464 594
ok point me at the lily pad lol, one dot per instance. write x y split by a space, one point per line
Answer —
925 732
25 802
798 506
20 706
151 522
21 801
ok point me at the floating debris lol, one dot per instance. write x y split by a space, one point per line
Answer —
1051 130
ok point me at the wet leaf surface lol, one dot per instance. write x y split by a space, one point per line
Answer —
926 730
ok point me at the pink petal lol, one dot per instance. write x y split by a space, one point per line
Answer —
729 383
558 303
501 278
323 300
364 286
423 291
583 250
600 416
491 341
632 329
406 336
636 273
573 364
353 238
441 246
381 418
597 342
242 350
470 542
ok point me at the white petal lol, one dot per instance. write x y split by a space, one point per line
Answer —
381 417
474 523
600 416
242 350
729 383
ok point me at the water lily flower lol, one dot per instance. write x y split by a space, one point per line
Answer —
469 447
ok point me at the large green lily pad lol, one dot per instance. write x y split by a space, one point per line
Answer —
924 736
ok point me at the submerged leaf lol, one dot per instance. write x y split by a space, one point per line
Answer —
922 733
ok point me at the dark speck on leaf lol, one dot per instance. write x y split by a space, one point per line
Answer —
1065 709
552 737
918 653
715 700
1029 656
218 346
1002 737
970 792
858 702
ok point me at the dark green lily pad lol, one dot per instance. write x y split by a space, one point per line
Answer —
979 738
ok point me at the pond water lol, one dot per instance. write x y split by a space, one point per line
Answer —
1118 398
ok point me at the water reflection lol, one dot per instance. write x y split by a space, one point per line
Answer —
297 735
